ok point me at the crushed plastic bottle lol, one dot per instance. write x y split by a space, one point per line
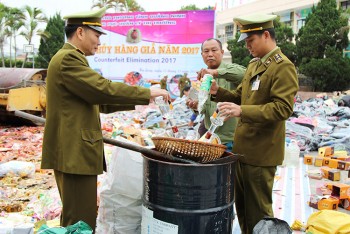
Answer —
203 92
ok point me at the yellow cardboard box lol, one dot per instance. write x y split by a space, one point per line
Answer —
308 159
340 191
333 163
318 162
326 151
328 204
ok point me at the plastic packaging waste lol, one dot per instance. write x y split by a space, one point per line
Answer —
166 109
203 92
18 168
291 154
192 134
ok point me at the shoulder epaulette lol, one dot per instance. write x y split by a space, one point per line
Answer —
278 58
254 60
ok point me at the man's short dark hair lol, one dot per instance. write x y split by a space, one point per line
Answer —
260 32
218 41
70 29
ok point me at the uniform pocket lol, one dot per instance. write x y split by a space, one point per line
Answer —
91 136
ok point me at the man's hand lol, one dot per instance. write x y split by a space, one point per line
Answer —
229 109
156 92
204 71
192 104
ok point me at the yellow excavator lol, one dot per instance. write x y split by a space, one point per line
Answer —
22 89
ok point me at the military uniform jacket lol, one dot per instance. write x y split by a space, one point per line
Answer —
229 77
260 132
75 96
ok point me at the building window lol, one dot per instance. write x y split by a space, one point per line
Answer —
301 23
229 31
345 5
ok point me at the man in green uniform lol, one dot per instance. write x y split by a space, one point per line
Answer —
263 101
183 82
73 143
227 76
163 82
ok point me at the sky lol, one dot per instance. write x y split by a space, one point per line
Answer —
66 7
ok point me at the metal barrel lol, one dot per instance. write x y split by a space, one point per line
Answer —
187 199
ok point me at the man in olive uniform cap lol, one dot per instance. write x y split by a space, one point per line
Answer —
263 101
183 81
73 142
163 82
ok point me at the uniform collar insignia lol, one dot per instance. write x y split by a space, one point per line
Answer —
278 58
267 62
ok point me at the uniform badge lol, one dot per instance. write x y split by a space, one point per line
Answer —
278 58
267 62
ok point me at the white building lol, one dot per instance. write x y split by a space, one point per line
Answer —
291 12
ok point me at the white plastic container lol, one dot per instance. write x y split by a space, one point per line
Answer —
291 154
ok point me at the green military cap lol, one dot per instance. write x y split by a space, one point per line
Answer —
91 19
252 23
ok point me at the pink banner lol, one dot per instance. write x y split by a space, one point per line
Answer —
174 27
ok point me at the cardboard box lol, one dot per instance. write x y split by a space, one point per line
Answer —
308 159
340 191
314 199
334 175
318 162
328 204
345 203
325 172
347 166
323 190
342 158
325 162
326 151
341 153
330 173
341 165
333 163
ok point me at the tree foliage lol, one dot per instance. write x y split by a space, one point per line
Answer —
323 27
31 27
130 5
239 52
329 73
191 7
50 44
319 47
284 38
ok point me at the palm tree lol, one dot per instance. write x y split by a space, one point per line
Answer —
133 6
3 32
33 17
15 20
130 5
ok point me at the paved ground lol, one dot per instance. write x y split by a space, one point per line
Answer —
291 193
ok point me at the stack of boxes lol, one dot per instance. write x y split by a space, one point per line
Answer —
336 194
339 196
331 164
